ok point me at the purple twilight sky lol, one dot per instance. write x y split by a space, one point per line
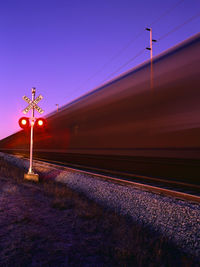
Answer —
58 45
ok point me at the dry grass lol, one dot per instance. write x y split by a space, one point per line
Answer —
123 241
103 233
10 171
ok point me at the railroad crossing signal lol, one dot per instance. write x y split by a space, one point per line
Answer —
39 123
33 104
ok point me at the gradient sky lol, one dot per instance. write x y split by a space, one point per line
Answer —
58 45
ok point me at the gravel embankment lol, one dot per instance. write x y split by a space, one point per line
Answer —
177 220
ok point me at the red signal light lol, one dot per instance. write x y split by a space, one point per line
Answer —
24 123
40 123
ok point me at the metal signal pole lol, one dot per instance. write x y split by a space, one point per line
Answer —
32 105
31 139
151 53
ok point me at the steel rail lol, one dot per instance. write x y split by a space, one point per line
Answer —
142 186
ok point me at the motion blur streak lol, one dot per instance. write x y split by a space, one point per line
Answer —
124 122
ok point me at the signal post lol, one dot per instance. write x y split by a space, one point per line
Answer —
24 123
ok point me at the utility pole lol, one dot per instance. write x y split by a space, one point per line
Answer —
57 106
151 53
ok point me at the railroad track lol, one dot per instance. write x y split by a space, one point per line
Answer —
176 189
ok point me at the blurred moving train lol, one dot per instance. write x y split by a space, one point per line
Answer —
125 125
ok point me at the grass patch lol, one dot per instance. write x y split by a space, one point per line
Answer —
118 237
9 170
99 233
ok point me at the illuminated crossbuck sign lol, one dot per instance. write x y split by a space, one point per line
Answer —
33 104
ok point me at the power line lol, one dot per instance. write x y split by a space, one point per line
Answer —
133 40
179 26
167 12
125 64
130 42
162 37
113 57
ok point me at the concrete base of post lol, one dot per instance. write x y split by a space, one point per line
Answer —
32 177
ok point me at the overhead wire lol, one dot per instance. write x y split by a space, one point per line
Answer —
125 64
165 13
162 37
128 44
159 39
179 26
113 57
